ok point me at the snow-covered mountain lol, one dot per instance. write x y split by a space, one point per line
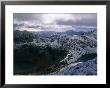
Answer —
61 50
55 28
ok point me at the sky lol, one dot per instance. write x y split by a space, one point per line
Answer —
34 21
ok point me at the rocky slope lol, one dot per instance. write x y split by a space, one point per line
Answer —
80 68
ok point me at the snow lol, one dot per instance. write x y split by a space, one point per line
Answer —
75 47
81 68
55 44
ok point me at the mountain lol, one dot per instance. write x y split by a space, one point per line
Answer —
69 32
48 52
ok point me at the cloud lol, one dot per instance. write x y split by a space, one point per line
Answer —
27 18
80 19
32 20
63 19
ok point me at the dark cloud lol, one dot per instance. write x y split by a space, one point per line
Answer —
25 16
89 19
82 19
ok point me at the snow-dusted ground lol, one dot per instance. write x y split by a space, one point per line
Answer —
82 68
76 48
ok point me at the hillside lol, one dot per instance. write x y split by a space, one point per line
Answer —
44 53
82 68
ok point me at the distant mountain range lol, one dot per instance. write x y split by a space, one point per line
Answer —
69 32
55 28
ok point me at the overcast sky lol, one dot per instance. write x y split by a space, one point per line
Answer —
86 19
